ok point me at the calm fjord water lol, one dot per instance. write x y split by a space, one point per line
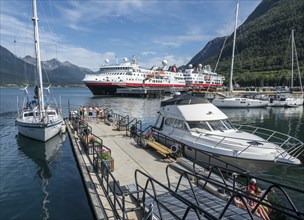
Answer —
42 181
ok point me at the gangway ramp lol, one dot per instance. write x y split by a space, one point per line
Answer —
185 200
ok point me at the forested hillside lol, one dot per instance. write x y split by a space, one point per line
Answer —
263 45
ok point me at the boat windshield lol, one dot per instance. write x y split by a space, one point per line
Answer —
198 124
217 125
220 125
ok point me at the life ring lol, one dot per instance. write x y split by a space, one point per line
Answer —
175 148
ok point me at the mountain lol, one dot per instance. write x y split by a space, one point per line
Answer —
18 71
262 57
263 45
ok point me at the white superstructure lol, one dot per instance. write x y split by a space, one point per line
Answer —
130 74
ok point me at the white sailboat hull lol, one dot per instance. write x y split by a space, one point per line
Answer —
239 103
39 131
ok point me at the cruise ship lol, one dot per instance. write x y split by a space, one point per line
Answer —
129 74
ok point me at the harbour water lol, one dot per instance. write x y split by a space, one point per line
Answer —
42 181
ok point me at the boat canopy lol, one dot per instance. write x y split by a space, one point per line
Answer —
195 112
192 108
184 100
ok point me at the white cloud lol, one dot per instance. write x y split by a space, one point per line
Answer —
148 53
83 57
87 32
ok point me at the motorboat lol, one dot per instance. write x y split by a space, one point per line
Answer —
194 122
36 118
129 74
284 100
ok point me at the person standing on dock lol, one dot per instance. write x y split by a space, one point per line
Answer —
84 112
96 112
90 113
80 112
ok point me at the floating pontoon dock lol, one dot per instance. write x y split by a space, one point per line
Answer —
126 179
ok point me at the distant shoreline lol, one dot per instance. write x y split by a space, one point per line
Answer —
53 86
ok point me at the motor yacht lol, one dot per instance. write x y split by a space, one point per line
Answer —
194 122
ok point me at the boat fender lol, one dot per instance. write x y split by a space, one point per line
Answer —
175 148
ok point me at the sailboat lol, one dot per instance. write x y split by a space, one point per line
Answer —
282 99
237 102
37 119
295 101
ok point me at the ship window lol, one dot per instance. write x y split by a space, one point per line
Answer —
28 114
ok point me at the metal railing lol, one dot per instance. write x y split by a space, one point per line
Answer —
117 196
93 147
287 146
290 145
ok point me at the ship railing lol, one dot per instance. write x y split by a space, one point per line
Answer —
211 160
292 147
288 146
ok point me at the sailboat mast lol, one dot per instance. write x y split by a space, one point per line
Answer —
38 59
292 57
294 48
233 48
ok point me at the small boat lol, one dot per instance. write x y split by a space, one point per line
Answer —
194 122
37 119
284 100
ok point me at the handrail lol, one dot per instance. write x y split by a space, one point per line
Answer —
157 135
118 204
292 212
153 182
291 146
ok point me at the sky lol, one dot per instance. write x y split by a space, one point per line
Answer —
86 32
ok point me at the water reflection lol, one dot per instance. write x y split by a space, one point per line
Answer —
43 154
